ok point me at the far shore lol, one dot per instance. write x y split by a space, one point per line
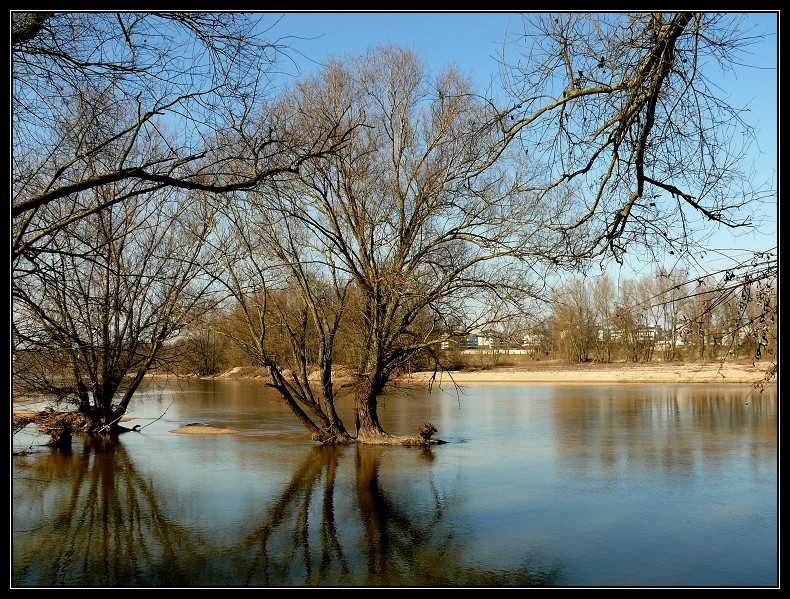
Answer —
736 372
740 371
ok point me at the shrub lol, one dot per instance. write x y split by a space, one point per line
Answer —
426 430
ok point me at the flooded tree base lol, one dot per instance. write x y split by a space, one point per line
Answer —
61 426
404 440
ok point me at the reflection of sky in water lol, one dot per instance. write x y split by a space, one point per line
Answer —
627 485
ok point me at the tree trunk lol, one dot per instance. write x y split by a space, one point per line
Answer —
366 411
368 427
327 389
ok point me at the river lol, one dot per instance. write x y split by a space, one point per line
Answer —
552 485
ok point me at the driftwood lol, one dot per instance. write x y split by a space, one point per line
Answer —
60 426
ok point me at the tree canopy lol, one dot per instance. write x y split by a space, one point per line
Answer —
623 115
157 100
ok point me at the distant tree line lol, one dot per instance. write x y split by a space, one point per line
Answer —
658 317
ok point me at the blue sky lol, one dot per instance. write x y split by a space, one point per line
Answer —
472 39
467 39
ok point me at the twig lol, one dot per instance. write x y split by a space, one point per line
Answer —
150 423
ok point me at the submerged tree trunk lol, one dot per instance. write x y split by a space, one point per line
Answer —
369 429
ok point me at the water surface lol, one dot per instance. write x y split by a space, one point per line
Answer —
564 485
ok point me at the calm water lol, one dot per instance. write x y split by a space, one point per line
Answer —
539 485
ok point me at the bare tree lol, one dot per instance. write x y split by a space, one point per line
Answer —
624 116
603 298
573 321
92 312
110 112
728 312
629 319
671 288
203 349
752 286
622 113
150 100
405 234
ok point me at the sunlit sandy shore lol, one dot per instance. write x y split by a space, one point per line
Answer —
741 372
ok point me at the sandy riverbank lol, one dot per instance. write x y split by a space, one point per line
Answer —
740 372
729 371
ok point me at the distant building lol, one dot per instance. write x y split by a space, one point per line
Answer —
480 341
644 333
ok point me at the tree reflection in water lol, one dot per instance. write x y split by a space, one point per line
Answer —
387 541
338 522
103 525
